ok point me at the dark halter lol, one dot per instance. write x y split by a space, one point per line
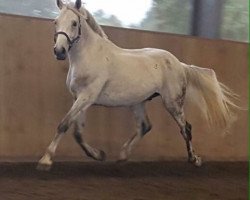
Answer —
73 41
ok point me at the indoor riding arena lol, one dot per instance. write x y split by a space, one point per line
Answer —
34 99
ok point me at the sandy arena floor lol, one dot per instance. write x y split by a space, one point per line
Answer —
130 181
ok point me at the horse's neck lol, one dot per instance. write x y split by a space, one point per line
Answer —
84 45
87 50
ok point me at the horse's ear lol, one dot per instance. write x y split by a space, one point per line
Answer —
59 4
78 4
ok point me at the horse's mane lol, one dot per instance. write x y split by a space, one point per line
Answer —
89 19
94 25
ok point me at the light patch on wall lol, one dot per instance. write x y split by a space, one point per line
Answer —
128 12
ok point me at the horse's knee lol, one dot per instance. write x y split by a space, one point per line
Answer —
62 128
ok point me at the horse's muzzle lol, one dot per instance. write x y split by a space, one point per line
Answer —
60 53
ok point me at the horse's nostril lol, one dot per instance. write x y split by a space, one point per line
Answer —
60 53
63 50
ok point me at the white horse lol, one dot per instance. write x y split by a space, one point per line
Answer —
104 74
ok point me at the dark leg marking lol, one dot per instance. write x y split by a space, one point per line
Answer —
78 137
145 128
192 157
189 131
87 152
62 128
79 140
180 98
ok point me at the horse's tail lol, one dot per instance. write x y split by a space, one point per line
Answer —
216 99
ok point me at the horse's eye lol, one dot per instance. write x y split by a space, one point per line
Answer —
55 22
74 23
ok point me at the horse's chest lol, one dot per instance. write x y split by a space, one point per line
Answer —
76 84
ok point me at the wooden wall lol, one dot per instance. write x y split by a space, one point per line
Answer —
34 98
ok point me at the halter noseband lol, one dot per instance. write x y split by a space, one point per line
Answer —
73 41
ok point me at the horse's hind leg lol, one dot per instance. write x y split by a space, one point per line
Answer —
90 151
142 127
175 108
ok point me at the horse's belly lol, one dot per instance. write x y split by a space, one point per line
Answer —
131 96
115 100
129 86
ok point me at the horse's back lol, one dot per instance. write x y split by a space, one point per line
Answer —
162 65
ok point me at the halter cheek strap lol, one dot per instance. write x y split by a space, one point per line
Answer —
73 41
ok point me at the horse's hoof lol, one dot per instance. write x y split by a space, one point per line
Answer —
44 163
196 161
123 158
43 167
102 156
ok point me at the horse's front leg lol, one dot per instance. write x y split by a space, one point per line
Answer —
83 101
78 132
